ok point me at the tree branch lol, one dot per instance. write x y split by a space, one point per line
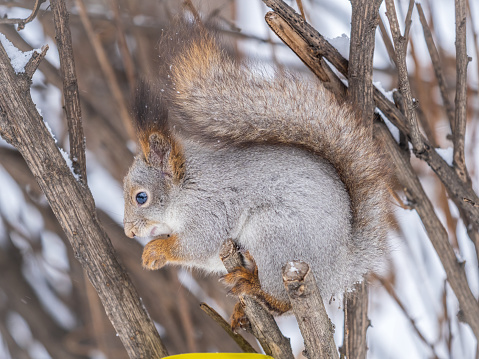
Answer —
242 342
434 228
364 20
459 124
22 22
434 54
308 307
74 208
70 88
400 46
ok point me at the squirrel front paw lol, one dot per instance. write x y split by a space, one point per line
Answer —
153 256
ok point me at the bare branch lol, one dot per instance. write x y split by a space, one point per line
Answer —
35 61
433 53
106 68
300 7
70 88
126 57
408 20
364 20
459 125
308 307
389 288
356 322
242 342
263 325
400 46
22 22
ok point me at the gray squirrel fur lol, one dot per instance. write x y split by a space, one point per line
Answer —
275 163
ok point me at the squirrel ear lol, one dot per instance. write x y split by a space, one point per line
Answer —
158 151
165 153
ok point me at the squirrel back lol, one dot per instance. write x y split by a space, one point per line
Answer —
214 127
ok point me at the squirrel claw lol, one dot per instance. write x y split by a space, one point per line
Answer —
239 318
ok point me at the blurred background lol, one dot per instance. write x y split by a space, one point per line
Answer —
48 309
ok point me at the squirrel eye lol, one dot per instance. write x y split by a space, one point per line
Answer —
141 197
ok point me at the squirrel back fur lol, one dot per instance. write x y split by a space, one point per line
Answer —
259 157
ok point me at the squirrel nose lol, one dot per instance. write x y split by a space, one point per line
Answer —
129 233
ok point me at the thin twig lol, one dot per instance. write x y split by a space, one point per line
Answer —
434 54
22 22
106 68
35 61
126 57
242 342
193 10
300 7
70 88
387 41
400 46
389 288
459 124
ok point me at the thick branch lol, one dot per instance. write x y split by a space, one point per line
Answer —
74 208
308 307
356 321
364 20
263 325
70 88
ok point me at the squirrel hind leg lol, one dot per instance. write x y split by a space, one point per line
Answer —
244 281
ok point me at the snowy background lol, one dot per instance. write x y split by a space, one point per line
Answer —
413 313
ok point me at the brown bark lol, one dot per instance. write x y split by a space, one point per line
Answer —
308 307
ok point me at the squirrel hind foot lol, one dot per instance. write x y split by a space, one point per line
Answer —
245 282
239 318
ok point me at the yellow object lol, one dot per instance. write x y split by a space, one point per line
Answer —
219 356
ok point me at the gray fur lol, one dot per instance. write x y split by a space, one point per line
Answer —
280 203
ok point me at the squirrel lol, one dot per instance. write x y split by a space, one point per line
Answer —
275 163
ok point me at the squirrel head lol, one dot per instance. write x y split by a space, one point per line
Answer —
156 172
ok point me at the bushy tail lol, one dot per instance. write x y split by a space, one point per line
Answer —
218 100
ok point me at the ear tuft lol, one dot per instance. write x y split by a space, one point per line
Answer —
159 146
150 114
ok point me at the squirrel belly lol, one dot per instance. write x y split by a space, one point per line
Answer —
275 163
